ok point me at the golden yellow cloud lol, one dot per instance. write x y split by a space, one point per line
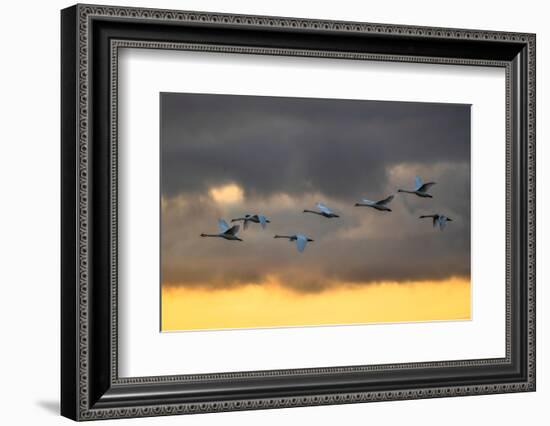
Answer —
271 305
227 194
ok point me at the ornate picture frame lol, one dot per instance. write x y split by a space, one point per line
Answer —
91 37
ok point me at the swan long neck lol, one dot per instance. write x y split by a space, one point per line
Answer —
408 192
209 235
282 236
311 211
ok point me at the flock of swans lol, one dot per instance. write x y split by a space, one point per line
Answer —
420 189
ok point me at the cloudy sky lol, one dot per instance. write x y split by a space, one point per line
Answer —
224 155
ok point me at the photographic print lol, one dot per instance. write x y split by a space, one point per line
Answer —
292 212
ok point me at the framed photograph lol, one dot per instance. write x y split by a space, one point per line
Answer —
263 212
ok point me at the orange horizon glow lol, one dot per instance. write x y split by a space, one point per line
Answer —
271 305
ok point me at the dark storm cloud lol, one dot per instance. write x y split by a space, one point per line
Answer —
268 144
286 154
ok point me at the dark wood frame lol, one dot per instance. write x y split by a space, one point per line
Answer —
91 37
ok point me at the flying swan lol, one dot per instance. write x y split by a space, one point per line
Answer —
324 211
225 231
420 188
254 218
381 205
301 240
438 219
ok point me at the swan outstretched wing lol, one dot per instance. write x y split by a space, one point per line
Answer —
222 225
263 220
324 208
233 230
301 241
369 202
417 183
385 201
426 186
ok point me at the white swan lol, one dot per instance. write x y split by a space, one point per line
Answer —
420 188
225 231
381 205
301 240
438 219
324 211
255 218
